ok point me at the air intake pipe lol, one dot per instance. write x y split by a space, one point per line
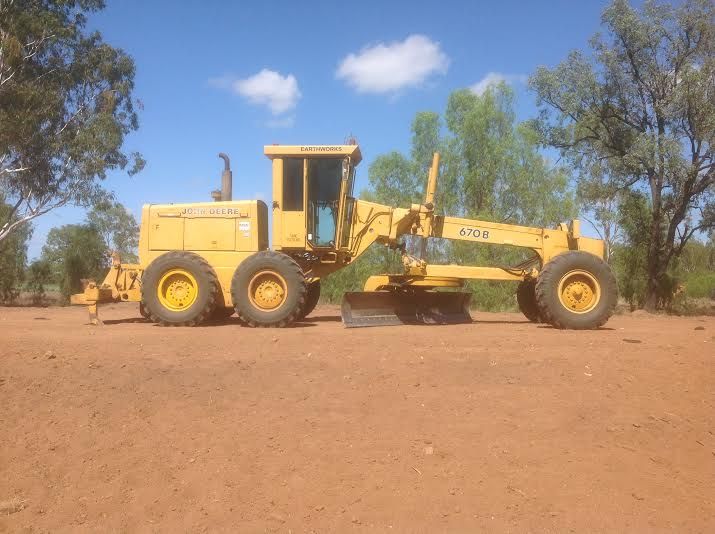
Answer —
226 178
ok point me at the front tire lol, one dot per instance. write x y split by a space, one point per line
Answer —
526 299
576 290
268 289
179 289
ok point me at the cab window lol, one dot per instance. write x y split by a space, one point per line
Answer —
324 178
293 184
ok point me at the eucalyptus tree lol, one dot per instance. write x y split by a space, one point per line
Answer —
65 108
118 227
638 114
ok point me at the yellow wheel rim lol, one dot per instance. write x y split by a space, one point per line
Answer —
177 290
267 290
579 291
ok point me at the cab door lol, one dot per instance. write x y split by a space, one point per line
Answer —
289 203
325 189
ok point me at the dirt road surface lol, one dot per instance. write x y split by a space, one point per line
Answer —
499 426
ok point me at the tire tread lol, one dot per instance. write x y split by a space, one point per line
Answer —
526 299
208 309
312 297
290 266
547 279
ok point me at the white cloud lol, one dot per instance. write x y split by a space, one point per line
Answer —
270 88
386 68
494 78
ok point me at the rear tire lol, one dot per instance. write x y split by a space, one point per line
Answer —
179 289
576 290
526 299
268 289
311 299
143 312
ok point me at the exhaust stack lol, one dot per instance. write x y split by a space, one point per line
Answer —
226 179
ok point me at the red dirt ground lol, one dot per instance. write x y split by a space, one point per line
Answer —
500 426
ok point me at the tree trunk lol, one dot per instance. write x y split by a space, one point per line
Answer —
650 302
654 260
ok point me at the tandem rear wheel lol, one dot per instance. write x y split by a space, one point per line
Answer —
179 289
269 289
312 297
576 290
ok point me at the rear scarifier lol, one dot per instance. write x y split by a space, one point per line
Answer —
268 289
176 279
576 290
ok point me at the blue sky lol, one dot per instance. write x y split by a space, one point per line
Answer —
233 76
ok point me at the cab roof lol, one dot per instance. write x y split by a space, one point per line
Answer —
277 151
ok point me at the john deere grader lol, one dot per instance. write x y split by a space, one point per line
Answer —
207 260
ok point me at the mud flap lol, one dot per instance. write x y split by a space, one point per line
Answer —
390 308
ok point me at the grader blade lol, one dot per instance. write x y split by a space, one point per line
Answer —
391 308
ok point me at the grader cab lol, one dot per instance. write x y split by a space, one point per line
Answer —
208 260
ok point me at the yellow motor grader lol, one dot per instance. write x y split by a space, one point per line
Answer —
207 260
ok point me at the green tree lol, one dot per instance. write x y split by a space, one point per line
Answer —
38 275
65 108
495 166
13 255
600 205
639 113
75 252
118 228
695 269
630 256
697 256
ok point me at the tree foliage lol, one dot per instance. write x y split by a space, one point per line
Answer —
75 252
493 168
639 115
118 228
38 276
65 108
698 256
695 269
13 255
630 257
